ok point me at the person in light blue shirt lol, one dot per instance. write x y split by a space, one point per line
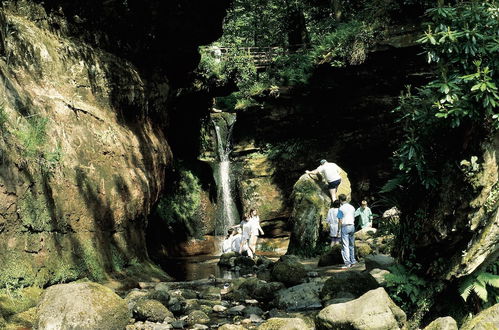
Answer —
346 222
365 215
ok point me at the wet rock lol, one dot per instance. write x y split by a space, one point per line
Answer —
486 319
379 275
151 310
313 274
210 293
332 257
244 262
81 306
373 310
380 261
443 323
177 305
219 308
254 318
253 288
284 324
288 270
197 317
227 259
184 293
252 310
347 284
264 261
162 286
300 297
251 301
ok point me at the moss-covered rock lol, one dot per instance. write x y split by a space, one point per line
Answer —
18 301
442 323
311 201
197 317
81 306
150 310
486 319
243 289
347 284
25 319
288 270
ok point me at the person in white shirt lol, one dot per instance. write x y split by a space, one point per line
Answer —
246 229
254 221
346 216
332 219
227 243
331 173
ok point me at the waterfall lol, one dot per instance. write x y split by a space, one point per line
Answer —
227 214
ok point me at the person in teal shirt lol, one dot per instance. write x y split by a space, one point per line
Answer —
365 215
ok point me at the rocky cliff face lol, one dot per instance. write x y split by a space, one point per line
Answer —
83 150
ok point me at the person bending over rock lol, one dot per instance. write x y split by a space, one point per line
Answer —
227 243
246 234
331 173
346 222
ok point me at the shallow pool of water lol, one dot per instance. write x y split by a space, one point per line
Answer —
195 268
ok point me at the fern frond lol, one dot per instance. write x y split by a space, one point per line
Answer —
481 291
466 287
489 279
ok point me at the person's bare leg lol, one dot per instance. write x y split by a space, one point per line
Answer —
333 194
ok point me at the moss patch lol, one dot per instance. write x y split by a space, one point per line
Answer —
18 301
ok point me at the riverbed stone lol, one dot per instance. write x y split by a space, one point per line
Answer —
255 288
160 295
300 297
288 270
486 319
151 310
231 327
252 310
380 261
219 308
373 310
81 306
147 325
197 317
177 305
442 323
278 323
227 259
347 284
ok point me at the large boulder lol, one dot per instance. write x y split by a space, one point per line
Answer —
349 284
227 259
300 297
311 201
380 261
486 319
288 270
373 310
81 306
442 323
277 323
254 288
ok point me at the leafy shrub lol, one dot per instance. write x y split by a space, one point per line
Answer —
406 289
483 285
180 206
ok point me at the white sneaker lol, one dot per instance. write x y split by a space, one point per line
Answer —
346 266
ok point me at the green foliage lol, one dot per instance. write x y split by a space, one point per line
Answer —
181 205
3 120
408 290
483 284
462 41
32 135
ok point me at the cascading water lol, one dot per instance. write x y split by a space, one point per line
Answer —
227 214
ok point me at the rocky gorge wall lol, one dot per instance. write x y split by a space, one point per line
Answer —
83 149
